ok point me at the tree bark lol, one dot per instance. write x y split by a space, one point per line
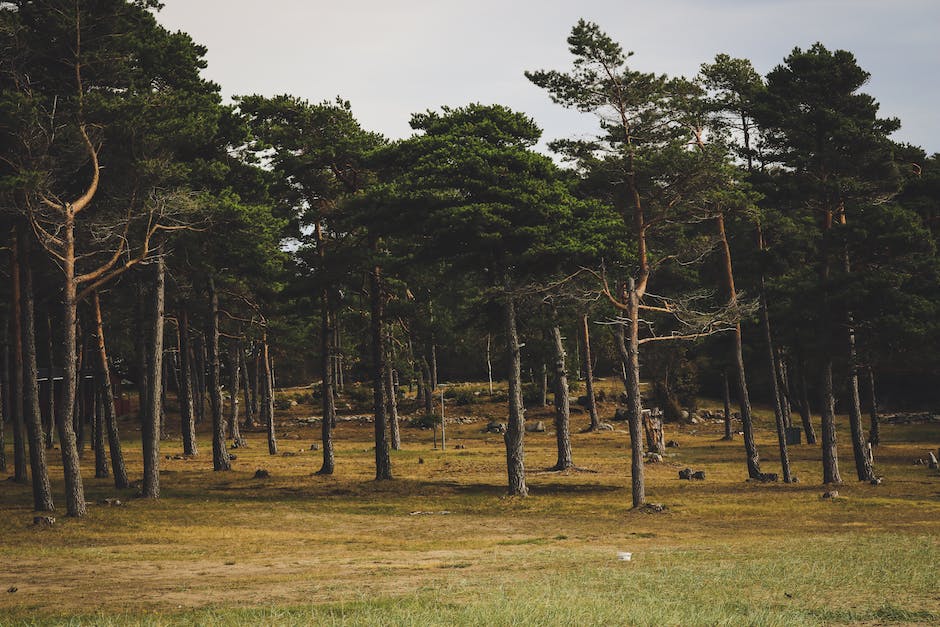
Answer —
830 453
777 394
268 382
101 455
220 458
107 396
246 387
383 462
744 399
20 474
562 408
588 366
629 348
489 365
256 405
150 431
805 410
199 359
187 418
49 422
143 359
726 396
392 397
233 384
327 364
784 381
42 490
874 432
515 429
4 405
863 466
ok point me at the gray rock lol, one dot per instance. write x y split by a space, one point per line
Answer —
605 426
495 427
831 494
538 427
43 521
654 458
111 502
620 414
684 415
314 447
932 461
699 475
672 444
261 473
685 473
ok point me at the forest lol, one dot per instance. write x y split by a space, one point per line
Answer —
185 277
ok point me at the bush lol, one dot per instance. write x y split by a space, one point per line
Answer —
425 421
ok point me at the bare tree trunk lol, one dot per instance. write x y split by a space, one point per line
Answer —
383 462
20 474
233 383
588 366
107 397
729 432
268 383
489 364
4 405
187 419
49 423
327 369
256 405
777 394
220 458
543 389
392 396
629 349
434 380
143 359
805 411
42 490
562 408
784 375
200 359
426 382
874 433
830 453
150 431
101 455
246 387
863 466
74 489
515 430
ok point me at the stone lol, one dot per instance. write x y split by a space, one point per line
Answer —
583 400
420 460
232 457
620 414
672 444
769 477
460 447
314 447
877 481
653 508
261 473
111 502
694 420
605 426
831 494
623 399
684 415
654 458
288 454
932 461
43 521
538 427
495 427
685 473
699 475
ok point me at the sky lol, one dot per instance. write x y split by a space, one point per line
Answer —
393 58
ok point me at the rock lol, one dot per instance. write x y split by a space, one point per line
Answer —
288 454
877 481
685 473
699 475
43 521
932 461
583 400
314 447
261 473
605 426
12 589
179 457
919 462
420 460
232 457
538 427
768 477
495 427
623 399
831 494
111 502
653 508
460 447
672 444
684 416
693 420
620 414
600 396
654 458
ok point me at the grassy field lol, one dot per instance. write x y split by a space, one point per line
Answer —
441 544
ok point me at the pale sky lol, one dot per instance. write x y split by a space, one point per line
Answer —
395 57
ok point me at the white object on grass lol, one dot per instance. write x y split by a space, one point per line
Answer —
624 556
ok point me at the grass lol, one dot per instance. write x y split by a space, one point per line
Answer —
441 544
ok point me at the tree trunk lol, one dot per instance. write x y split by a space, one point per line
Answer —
20 474
143 369
426 382
392 394
4 405
629 349
874 433
515 430
49 423
434 380
588 366
543 388
784 382
150 431
327 365
246 387
256 405
233 385
726 396
863 466
187 419
42 490
830 453
220 459
489 364
199 378
562 408
101 455
805 410
744 399
74 489
107 397
268 382
383 463
777 394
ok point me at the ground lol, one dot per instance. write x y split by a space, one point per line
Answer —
442 544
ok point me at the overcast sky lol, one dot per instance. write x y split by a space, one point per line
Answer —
394 57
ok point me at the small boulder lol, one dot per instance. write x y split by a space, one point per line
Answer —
653 508
620 414
685 473
232 457
583 401
672 444
261 473
877 481
538 427
605 426
769 477
654 458
314 447
831 494
459 447
111 502
699 475
43 521
495 427
932 461
684 416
